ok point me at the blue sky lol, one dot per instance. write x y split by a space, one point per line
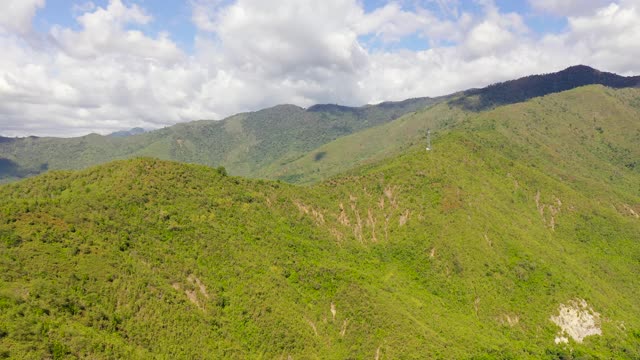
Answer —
71 67
171 16
175 18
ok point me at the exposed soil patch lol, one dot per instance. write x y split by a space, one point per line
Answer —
313 326
554 209
577 320
388 192
404 217
510 320
194 280
342 218
317 215
631 211
371 222
343 330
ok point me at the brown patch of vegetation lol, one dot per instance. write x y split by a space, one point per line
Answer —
194 280
554 210
371 222
388 192
342 218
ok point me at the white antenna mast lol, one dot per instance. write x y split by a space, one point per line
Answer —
428 139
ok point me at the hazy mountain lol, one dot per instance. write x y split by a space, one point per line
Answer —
130 132
243 143
517 232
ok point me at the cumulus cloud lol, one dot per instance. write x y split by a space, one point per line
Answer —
568 7
391 23
101 77
103 33
16 15
606 39
107 74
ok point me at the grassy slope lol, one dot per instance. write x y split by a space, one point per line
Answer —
431 254
243 143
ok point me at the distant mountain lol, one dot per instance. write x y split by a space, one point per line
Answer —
291 143
526 88
131 132
243 143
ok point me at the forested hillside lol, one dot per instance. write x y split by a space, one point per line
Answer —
516 237
519 90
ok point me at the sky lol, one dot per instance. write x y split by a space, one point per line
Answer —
73 67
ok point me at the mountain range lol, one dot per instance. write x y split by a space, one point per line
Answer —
287 142
516 236
243 143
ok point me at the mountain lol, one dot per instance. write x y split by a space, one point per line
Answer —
385 140
243 143
526 88
366 146
131 132
516 237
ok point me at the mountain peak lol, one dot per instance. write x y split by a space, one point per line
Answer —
330 108
528 87
581 67
130 132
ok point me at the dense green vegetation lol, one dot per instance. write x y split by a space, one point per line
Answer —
243 143
367 146
515 91
584 111
463 252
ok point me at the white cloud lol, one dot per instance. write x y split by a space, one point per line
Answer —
391 24
569 7
103 33
496 34
294 37
607 39
16 15
108 74
100 78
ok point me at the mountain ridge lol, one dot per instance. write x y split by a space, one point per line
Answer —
282 130
522 89
267 142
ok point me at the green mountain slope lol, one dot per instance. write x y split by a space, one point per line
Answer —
367 146
519 215
243 143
